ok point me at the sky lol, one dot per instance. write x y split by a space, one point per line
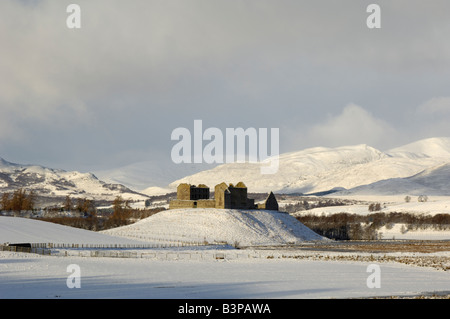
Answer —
110 93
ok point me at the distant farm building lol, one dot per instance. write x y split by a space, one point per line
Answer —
225 196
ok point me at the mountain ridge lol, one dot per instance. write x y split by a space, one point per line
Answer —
429 147
345 169
431 181
56 183
321 169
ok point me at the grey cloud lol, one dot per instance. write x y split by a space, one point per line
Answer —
138 69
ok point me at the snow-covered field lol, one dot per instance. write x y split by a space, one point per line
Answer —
24 230
390 204
400 231
32 276
434 205
196 272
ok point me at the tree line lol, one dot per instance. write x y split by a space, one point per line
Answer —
345 226
19 200
121 214
83 212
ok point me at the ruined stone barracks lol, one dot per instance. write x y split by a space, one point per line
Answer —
225 196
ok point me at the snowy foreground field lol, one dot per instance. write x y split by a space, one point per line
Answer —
32 276
216 271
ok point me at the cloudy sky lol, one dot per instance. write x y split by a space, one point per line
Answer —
110 94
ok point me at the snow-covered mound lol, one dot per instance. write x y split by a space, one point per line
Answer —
235 227
24 230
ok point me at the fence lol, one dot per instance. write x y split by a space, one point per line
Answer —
173 244
137 251
176 256
32 250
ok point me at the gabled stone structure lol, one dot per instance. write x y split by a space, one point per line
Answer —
225 196
270 203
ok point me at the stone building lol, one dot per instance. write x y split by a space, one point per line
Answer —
191 196
192 192
230 196
225 196
270 203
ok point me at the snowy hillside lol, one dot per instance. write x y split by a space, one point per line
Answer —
149 176
437 147
24 230
432 181
241 227
245 228
59 183
322 169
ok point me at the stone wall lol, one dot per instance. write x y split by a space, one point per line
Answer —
184 192
179 203
201 203
222 196
225 196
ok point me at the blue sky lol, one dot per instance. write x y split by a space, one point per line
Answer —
111 93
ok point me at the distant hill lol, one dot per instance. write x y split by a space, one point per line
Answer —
150 177
55 183
436 147
319 170
432 181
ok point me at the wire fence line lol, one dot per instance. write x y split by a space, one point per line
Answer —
21 249
122 246
113 251
174 256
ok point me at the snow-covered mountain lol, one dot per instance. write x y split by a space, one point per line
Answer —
150 176
322 169
432 181
436 147
414 168
50 182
